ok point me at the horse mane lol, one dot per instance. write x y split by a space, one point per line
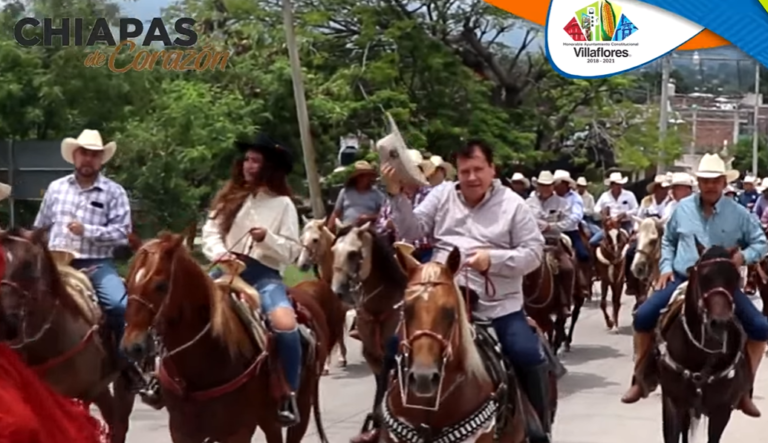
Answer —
225 323
473 363
647 229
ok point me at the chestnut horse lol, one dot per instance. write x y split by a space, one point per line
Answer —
68 348
702 367
450 386
645 265
611 254
175 303
316 241
543 301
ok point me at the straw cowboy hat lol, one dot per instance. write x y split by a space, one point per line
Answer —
616 177
712 166
563 175
88 139
660 180
751 179
5 191
450 171
581 181
426 166
681 179
518 177
280 155
361 167
545 178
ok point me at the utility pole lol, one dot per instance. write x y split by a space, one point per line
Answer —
664 108
756 128
313 180
692 148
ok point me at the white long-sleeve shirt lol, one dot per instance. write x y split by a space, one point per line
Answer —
626 203
277 214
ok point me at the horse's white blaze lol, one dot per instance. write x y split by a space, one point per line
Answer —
139 277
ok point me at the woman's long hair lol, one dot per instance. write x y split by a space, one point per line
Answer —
230 198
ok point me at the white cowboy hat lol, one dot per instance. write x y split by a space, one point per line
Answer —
712 166
563 175
617 178
545 178
730 190
681 179
518 177
88 139
662 180
581 181
427 167
5 191
450 171
751 179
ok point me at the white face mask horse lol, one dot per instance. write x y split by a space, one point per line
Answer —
316 240
649 232
352 257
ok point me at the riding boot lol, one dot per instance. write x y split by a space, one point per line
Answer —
755 353
535 383
353 333
289 351
643 344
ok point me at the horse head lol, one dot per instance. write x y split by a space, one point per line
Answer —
316 240
649 233
31 285
436 334
713 281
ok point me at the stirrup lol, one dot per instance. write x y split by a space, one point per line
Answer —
369 423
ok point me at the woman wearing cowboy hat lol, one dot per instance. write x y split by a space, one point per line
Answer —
253 219
709 219
359 202
616 203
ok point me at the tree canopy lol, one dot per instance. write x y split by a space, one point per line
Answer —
442 69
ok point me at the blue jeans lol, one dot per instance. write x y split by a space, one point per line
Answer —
518 341
274 294
110 291
582 254
631 251
598 237
752 320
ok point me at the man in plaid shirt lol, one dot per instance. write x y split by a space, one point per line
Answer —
386 227
89 215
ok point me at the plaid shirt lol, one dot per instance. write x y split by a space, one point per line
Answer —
103 209
386 214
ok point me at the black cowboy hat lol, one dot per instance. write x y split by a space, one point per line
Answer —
276 152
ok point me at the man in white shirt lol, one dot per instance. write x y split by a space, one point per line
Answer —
616 203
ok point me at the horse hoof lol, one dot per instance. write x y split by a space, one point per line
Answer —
567 347
615 329
326 371
342 362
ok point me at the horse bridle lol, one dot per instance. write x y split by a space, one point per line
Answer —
702 298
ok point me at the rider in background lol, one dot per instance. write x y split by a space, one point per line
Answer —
254 220
616 203
416 194
499 239
710 219
90 215
359 202
443 171
588 200
748 197
762 201
681 185
652 205
564 185
520 185
553 215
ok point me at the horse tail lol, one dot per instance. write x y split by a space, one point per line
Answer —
317 415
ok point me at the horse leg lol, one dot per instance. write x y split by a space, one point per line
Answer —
272 433
106 404
577 304
604 303
717 423
342 350
671 426
616 290
123 400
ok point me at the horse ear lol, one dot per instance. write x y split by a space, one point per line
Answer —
176 241
637 219
454 261
134 241
405 259
304 219
38 236
366 226
699 247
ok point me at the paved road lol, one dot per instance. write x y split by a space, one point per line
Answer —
590 412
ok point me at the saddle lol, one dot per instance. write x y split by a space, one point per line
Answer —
673 308
79 287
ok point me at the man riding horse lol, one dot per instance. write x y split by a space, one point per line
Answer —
90 215
500 242
552 215
707 219
616 203
564 186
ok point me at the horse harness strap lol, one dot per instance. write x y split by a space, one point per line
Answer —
481 420
700 378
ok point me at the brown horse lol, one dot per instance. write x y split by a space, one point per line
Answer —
645 265
702 367
585 278
757 280
316 241
60 335
173 302
541 290
449 388
611 254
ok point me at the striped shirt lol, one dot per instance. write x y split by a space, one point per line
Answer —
103 209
